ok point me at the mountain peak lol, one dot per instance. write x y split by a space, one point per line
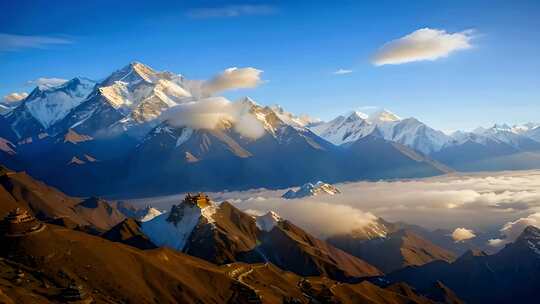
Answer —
268 221
356 115
310 189
131 73
530 233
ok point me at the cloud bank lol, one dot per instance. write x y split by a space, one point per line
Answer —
230 11
232 78
423 44
45 83
9 42
462 234
480 202
318 217
210 113
15 97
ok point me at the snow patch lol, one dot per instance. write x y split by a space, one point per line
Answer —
162 231
150 213
310 189
184 136
268 221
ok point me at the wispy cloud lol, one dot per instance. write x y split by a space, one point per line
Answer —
9 42
232 78
231 11
511 230
46 82
423 44
342 72
14 97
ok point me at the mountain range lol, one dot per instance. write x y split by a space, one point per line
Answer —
59 249
508 276
116 137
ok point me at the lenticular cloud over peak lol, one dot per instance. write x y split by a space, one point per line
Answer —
423 44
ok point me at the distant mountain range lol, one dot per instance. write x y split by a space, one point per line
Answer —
110 137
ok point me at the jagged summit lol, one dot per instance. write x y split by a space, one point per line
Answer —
174 228
310 189
46 106
530 234
268 221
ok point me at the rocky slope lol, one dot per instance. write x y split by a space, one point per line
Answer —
57 264
224 234
510 275
396 250
18 189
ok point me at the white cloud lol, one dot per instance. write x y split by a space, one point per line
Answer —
209 113
512 230
44 82
231 11
318 217
232 78
342 72
422 44
462 234
480 202
9 42
15 97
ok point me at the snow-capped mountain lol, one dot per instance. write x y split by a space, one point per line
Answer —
344 129
534 133
291 119
117 130
223 234
148 214
500 147
409 132
131 96
174 228
46 106
268 221
516 136
310 189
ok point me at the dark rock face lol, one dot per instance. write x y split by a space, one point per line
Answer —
510 276
129 232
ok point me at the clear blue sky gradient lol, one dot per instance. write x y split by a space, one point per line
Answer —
299 44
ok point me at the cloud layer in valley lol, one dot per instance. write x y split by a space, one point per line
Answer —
14 97
422 44
9 42
481 202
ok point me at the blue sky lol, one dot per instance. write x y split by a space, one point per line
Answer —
299 45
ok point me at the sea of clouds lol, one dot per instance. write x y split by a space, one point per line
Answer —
504 202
